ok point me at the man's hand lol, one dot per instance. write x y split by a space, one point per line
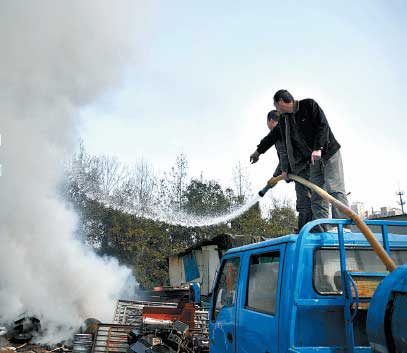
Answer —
286 178
254 157
315 155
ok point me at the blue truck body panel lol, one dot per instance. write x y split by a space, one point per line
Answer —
298 318
387 315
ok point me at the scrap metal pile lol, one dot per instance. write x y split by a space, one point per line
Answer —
154 327
138 327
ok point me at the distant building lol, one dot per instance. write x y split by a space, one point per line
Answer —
395 212
359 209
366 215
385 212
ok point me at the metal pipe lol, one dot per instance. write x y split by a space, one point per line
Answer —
379 250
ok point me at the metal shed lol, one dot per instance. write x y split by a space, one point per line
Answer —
199 262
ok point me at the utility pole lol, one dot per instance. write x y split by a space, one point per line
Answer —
400 194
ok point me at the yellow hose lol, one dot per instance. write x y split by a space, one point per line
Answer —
386 259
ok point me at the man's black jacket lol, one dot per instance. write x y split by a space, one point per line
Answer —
269 141
309 124
273 138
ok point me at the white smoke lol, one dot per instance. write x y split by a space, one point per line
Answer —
56 57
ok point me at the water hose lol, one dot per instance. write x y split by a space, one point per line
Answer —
379 250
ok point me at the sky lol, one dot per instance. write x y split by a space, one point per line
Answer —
206 72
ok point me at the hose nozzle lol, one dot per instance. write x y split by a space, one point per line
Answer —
263 191
270 184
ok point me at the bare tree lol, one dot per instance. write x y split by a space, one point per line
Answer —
177 182
145 185
241 182
111 175
95 177
137 191
83 176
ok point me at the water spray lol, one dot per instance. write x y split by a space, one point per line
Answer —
380 251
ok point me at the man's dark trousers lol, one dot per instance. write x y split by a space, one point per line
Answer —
303 205
303 202
328 174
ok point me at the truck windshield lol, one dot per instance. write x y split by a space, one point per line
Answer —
327 270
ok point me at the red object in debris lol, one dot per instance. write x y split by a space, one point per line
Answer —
188 314
185 312
161 313
156 289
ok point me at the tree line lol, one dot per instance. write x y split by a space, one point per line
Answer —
121 210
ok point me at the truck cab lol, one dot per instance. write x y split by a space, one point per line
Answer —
301 293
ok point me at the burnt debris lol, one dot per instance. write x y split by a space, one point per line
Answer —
25 329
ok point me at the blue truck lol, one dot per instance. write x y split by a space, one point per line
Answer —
312 292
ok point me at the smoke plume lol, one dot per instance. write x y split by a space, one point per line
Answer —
56 57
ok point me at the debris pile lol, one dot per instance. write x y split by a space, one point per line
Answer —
180 325
82 343
155 327
17 338
3 333
25 328
167 337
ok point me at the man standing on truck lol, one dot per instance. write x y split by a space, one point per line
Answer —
303 203
309 141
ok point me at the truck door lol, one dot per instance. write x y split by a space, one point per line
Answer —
222 326
257 326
